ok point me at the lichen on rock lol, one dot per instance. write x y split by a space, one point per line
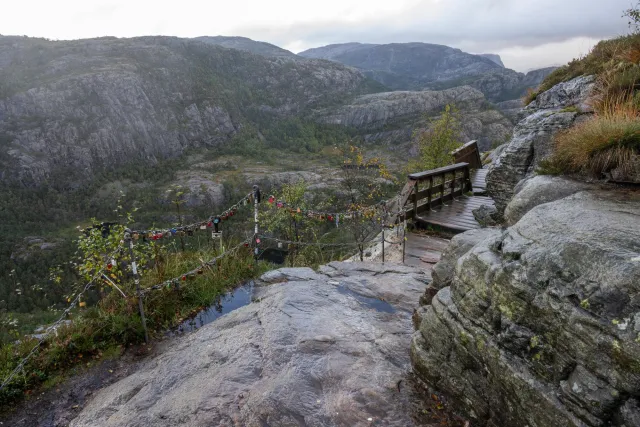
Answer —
536 325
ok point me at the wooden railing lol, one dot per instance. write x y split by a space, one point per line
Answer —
429 189
468 153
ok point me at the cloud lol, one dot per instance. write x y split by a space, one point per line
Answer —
510 26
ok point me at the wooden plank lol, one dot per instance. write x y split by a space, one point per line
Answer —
433 172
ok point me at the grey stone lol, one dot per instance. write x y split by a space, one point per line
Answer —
495 153
573 93
443 271
537 190
532 139
534 325
531 143
289 274
629 414
487 216
310 352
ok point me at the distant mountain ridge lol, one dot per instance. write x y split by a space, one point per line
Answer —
248 45
419 66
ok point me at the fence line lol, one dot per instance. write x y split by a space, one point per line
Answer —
52 328
191 274
213 221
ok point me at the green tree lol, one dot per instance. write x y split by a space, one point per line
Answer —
633 14
436 143
286 221
363 183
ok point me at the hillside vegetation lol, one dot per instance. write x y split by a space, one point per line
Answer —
610 140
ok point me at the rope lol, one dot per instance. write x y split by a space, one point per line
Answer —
54 325
291 242
196 271
190 227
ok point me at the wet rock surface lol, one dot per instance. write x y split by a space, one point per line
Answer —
539 324
540 189
532 139
324 348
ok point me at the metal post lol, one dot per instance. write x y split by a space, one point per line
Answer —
404 239
136 279
256 201
383 242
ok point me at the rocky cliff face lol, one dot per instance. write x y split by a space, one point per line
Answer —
78 106
533 136
393 116
70 109
539 324
417 66
492 56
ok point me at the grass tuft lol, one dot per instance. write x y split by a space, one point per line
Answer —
596 146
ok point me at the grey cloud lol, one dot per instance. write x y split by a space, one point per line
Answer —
477 25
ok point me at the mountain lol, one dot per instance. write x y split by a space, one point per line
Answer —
70 109
81 106
495 58
246 44
406 66
418 66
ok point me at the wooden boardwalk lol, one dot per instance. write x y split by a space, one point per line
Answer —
479 181
445 198
423 251
456 215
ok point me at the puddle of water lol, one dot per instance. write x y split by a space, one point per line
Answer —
227 303
369 302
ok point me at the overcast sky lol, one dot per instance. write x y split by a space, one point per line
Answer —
526 33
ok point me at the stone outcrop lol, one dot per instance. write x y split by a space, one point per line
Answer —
539 324
324 348
538 190
532 139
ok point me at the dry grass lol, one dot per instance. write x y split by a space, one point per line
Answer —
606 142
616 62
611 139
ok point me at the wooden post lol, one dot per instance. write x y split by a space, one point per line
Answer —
415 201
467 180
453 186
136 279
444 181
429 193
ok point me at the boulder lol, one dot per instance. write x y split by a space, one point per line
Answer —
540 189
487 216
539 324
316 349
